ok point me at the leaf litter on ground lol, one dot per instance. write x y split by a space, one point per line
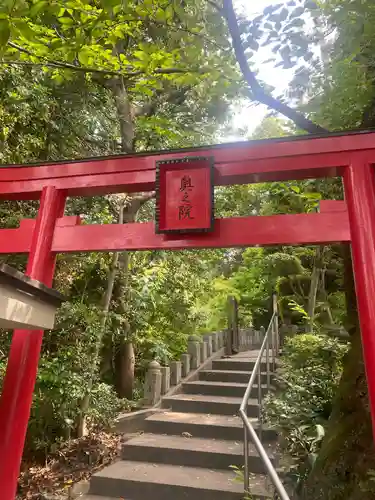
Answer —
75 460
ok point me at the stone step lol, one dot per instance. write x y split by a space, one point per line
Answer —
226 427
230 389
198 403
191 451
241 377
237 364
143 481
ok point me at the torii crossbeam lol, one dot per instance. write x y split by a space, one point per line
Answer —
350 156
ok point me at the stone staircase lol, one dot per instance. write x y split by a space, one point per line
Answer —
186 452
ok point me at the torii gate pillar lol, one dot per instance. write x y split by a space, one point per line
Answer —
19 381
359 184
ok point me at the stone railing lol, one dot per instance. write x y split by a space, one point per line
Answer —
160 379
248 338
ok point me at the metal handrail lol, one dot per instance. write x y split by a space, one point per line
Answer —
249 430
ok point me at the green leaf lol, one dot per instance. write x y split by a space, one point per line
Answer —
272 8
37 7
4 32
24 29
169 13
251 44
110 4
296 23
285 52
308 56
66 21
283 14
312 196
310 4
297 12
83 57
258 19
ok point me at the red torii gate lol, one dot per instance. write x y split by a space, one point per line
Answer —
351 156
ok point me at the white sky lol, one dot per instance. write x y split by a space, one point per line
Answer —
248 115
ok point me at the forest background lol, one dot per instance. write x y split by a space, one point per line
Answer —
89 78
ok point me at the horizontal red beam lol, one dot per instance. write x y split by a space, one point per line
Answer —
266 170
234 164
15 240
18 240
315 228
300 229
332 206
223 153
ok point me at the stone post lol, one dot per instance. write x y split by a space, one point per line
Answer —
221 340
165 379
185 361
208 339
203 351
153 384
227 342
175 372
194 349
215 342
246 332
218 340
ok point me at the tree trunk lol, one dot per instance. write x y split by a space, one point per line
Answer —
124 350
314 285
85 403
327 307
124 356
125 364
124 113
127 213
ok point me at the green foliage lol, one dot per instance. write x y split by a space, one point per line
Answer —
41 120
272 127
92 78
63 375
308 378
178 96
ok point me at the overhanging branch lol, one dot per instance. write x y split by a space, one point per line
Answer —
72 67
258 92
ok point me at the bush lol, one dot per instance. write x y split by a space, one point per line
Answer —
56 409
308 378
65 369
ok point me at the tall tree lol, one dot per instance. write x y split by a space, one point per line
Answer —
284 27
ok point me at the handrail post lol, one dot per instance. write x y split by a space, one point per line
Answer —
260 399
273 344
276 322
249 431
233 328
246 480
268 362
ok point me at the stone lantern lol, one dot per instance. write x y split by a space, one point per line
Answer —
26 303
